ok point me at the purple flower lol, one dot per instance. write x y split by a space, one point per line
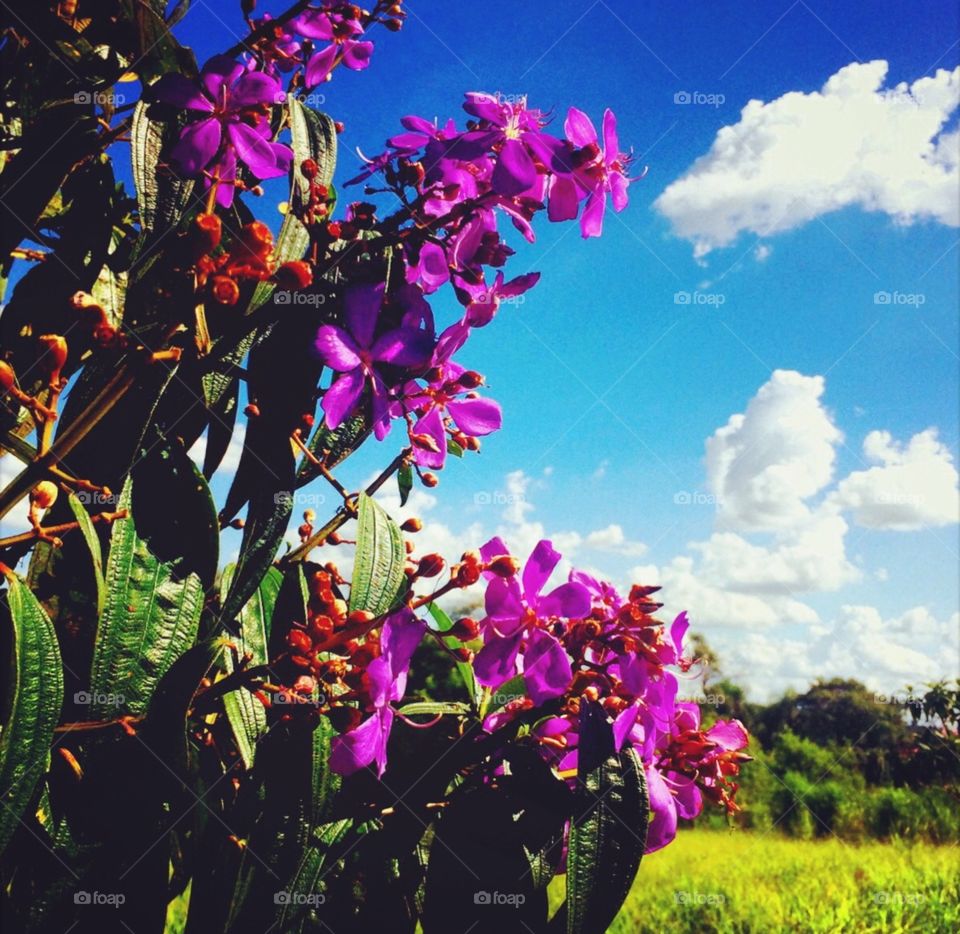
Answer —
446 395
341 33
596 172
386 678
359 356
513 607
236 102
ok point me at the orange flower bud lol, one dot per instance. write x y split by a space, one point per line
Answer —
504 566
224 290
430 565
413 524
465 629
53 356
294 275
8 378
44 494
205 234
429 479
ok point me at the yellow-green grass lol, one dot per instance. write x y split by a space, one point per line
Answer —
715 882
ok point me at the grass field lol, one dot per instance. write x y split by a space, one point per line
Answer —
713 882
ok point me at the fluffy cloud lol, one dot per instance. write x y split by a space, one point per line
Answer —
804 155
913 486
765 463
613 539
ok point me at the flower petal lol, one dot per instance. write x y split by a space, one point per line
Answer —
220 71
564 200
611 146
430 425
515 171
198 144
496 662
362 305
570 600
543 559
254 88
591 223
363 746
180 91
546 667
319 66
476 417
356 55
263 158
578 128
342 397
336 349
404 346
663 827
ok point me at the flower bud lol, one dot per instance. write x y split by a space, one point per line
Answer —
8 378
309 515
333 230
294 275
224 290
251 410
462 654
237 523
465 629
504 566
309 168
205 234
305 684
471 379
413 524
429 479
360 616
54 355
44 494
299 641
430 565
257 239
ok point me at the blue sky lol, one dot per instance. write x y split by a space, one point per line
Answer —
611 388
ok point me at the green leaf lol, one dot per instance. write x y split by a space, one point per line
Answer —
421 708
405 483
36 696
380 556
247 716
333 447
609 829
161 198
444 624
92 540
454 448
149 620
313 136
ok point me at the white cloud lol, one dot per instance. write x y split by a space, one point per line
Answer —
764 464
853 143
762 252
914 486
613 539
231 459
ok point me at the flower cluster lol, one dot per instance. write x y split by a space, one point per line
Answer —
454 186
583 641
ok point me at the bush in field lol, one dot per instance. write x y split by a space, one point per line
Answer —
251 732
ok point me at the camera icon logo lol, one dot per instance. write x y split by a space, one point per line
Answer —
281 898
682 97
82 697
681 298
281 297
482 898
81 898
881 298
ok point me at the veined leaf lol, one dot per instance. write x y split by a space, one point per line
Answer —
378 566
247 716
333 446
161 199
149 620
36 687
609 829
92 540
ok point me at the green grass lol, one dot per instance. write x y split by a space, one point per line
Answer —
716 882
